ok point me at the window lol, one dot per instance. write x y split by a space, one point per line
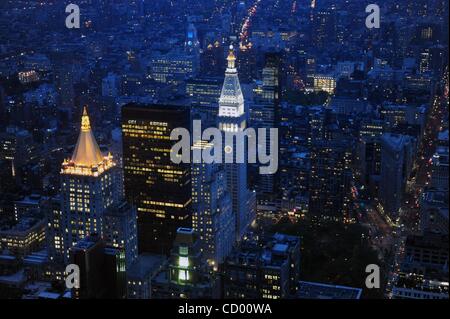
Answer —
183 250
183 275
183 262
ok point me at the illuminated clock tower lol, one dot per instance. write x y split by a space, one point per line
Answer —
232 119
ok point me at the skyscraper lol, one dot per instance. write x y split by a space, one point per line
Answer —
212 59
3 113
247 59
204 93
267 268
159 188
120 229
192 45
330 180
265 111
185 275
232 118
324 27
396 165
16 147
213 218
439 168
90 183
173 68
64 73
102 269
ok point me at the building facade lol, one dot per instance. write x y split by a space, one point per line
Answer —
159 188
232 118
213 219
90 183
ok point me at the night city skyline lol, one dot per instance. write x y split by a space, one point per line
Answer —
224 150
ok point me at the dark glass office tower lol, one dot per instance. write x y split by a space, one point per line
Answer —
102 269
159 188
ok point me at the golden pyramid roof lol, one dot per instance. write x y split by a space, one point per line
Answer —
87 152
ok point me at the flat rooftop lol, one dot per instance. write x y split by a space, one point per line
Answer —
145 264
315 290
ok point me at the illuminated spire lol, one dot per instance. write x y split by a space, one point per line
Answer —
231 101
231 59
85 123
86 153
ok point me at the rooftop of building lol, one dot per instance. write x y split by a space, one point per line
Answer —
438 198
36 258
301 155
270 251
87 242
164 109
112 251
214 80
144 265
32 199
315 290
443 136
122 208
5 257
87 158
185 236
428 240
25 224
17 278
396 141
40 290
418 282
441 156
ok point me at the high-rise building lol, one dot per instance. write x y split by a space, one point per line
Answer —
324 27
16 147
102 269
141 273
3 113
396 165
213 218
232 118
414 286
369 156
212 59
90 183
268 268
54 231
64 73
439 168
204 93
173 67
23 238
426 254
247 64
330 180
120 229
434 211
159 188
323 82
111 85
185 275
265 112
192 45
